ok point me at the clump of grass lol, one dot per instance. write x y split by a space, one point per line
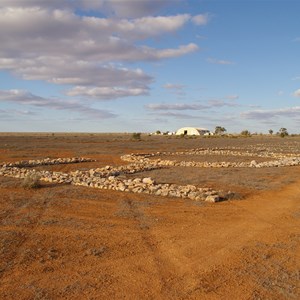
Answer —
31 181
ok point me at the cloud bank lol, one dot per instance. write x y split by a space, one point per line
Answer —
290 112
214 103
28 99
53 42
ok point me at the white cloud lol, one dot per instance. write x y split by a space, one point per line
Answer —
221 103
173 86
219 61
153 26
213 103
106 93
182 50
176 106
201 19
76 72
128 8
26 98
49 41
177 115
115 8
232 97
296 93
261 114
38 3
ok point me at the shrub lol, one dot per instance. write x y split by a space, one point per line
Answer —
246 133
283 132
31 181
220 130
136 136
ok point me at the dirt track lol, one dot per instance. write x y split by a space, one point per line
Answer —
66 242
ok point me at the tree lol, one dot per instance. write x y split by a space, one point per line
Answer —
220 130
283 132
246 133
271 131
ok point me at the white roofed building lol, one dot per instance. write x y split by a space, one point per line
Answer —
192 131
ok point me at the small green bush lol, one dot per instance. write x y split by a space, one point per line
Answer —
31 181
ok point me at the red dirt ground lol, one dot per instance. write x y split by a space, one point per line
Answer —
71 242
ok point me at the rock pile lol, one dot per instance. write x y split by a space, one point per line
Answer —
282 160
46 161
108 178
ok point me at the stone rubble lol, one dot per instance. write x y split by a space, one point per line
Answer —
110 177
282 160
107 178
46 161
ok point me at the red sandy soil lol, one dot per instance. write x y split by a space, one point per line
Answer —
71 242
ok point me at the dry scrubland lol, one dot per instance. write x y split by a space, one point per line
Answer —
61 241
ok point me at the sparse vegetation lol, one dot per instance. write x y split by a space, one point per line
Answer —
220 130
136 136
246 133
31 181
45 231
283 132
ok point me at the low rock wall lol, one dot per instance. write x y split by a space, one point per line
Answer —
282 160
46 161
108 178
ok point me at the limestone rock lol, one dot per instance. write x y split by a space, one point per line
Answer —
212 198
148 180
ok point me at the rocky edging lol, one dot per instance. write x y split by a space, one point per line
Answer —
46 161
108 178
282 161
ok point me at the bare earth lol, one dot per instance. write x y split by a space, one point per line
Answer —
72 242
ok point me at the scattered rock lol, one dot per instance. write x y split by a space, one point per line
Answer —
96 251
148 180
212 198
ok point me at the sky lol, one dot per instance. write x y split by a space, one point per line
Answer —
147 65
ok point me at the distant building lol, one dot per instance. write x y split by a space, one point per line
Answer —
193 131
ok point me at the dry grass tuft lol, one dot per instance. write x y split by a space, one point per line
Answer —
31 181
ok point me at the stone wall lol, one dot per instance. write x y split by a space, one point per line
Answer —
282 159
111 177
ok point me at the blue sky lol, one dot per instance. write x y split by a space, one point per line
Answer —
124 66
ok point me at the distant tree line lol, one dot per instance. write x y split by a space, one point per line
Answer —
220 130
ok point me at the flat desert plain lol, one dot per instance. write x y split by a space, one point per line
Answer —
63 241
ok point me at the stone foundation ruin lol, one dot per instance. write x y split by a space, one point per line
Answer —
110 177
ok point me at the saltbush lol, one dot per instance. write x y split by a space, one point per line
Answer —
136 136
31 181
